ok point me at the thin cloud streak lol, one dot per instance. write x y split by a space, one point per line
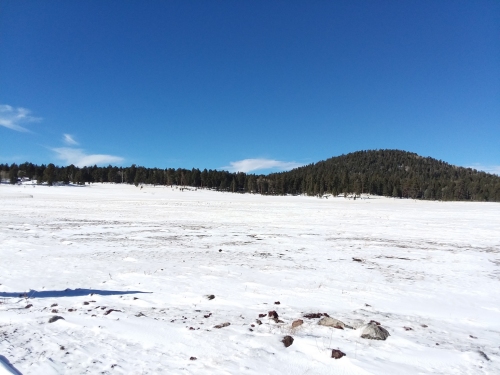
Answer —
249 165
494 169
11 117
69 140
79 158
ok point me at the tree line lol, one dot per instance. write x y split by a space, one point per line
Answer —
391 173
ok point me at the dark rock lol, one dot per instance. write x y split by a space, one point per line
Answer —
262 315
315 315
207 316
220 250
483 354
135 298
277 302
258 321
337 354
272 314
424 325
54 311
222 325
53 305
374 322
193 359
250 329
287 341
28 306
55 318
110 311
62 348
210 297
71 310
139 314
85 303
357 259
472 337
408 328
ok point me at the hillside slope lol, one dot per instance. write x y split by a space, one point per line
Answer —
391 173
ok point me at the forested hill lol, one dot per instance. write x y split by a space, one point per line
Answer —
390 173
380 172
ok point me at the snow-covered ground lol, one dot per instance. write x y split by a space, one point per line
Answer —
129 270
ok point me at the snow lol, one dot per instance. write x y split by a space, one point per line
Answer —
152 255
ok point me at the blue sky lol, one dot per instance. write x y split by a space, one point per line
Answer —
248 85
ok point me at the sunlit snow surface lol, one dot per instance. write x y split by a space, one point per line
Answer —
153 254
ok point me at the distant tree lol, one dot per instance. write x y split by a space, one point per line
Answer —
79 178
49 174
13 173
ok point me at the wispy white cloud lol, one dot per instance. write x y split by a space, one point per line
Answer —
12 118
79 158
250 165
69 140
495 169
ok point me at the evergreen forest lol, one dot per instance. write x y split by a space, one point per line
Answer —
392 173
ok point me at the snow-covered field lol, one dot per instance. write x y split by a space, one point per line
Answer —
130 270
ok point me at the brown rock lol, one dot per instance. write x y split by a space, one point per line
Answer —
337 354
222 325
297 323
287 341
273 314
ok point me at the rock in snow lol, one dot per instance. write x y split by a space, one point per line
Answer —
337 354
373 331
55 318
287 341
332 322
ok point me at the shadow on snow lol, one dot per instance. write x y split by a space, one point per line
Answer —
9 365
68 293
